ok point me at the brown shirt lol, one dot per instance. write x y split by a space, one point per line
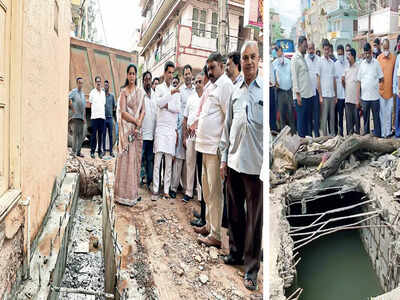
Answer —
387 65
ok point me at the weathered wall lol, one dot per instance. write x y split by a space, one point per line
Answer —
44 86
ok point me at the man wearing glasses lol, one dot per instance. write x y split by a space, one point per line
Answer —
97 99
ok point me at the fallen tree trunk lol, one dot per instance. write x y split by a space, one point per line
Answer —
353 144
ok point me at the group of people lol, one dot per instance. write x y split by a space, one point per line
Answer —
313 94
209 133
103 105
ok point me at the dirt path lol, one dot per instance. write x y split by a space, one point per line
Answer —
180 267
160 251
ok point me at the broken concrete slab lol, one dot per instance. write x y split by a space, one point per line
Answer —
52 245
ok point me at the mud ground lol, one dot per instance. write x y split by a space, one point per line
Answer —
168 262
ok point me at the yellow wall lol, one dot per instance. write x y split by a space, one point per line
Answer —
45 79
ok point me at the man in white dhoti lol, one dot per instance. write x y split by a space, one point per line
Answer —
168 102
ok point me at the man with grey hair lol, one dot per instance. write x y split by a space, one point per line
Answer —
241 148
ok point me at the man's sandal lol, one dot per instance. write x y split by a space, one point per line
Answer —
249 283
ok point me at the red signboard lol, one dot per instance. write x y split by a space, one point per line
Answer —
254 13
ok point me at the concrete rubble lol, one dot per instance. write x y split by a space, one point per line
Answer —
85 267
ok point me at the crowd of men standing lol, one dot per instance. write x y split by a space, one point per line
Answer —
209 132
315 94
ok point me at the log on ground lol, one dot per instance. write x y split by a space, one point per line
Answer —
353 144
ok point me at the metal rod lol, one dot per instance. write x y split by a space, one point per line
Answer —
316 197
339 219
340 209
299 290
325 233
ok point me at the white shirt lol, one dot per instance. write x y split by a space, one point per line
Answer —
192 107
167 119
339 73
212 117
98 101
327 71
185 94
313 69
149 121
369 75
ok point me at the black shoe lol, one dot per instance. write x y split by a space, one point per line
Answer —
101 155
230 260
196 214
112 154
92 155
197 223
172 194
186 198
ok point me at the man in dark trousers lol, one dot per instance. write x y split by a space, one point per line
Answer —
77 104
108 124
242 156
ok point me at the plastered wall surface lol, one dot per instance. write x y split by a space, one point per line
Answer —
44 101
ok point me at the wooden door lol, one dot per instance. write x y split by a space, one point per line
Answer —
5 35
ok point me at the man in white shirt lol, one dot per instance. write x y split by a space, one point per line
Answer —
350 83
189 114
179 166
302 88
148 127
168 102
369 76
340 66
328 97
313 64
209 133
97 99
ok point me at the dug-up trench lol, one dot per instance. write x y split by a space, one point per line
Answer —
322 186
108 251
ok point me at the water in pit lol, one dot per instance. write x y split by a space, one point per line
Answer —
336 267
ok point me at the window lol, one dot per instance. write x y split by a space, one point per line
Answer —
56 12
199 22
214 25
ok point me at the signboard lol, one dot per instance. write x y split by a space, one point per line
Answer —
254 13
333 35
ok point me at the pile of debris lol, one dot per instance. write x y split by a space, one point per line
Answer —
294 157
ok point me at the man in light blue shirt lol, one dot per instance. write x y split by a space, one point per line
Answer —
241 148
284 90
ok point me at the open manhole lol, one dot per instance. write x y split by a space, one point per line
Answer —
331 231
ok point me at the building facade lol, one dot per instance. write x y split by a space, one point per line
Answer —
34 55
186 32
342 24
384 23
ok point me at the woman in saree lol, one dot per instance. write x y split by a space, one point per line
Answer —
130 116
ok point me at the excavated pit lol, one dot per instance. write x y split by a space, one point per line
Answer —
85 264
334 263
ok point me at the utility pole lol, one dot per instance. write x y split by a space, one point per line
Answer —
369 20
222 13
